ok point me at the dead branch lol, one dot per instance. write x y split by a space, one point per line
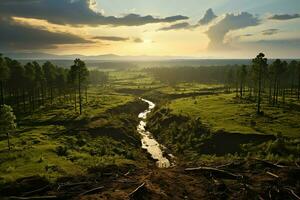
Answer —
215 172
251 189
231 164
292 193
72 184
139 188
269 164
94 190
33 198
272 174
125 181
35 191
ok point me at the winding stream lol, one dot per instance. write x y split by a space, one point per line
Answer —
148 142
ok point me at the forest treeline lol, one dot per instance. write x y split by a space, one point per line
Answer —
274 81
29 86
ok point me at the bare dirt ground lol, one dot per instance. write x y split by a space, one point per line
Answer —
252 179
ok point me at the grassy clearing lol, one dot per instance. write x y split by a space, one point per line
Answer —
233 115
132 80
185 88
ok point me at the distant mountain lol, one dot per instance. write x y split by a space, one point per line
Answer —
105 57
47 56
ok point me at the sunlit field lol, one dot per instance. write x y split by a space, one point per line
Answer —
149 100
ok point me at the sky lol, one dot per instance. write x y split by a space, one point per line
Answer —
185 28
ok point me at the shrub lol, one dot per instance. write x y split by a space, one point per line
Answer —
62 151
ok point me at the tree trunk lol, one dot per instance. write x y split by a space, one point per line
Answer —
270 92
283 95
75 101
86 95
51 94
277 92
2 93
24 100
292 85
237 89
8 143
259 91
33 99
274 92
241 89
298 93
79 93
43 96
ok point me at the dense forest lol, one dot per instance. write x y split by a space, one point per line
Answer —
275 82
26 87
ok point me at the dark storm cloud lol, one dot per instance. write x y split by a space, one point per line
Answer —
111 38
183 25
230 22
285 17
271 31
208 17
16 36
74 12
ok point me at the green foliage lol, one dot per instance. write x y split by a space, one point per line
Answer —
7 119
62 150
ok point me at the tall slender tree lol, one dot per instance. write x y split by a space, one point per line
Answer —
242 77
4 75
50 75
79 74
259 66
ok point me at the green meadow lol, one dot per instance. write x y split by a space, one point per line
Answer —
225 112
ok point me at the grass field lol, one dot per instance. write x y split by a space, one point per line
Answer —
234 115
50 142
56 141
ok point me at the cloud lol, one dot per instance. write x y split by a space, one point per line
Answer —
138 40
285 17
111 38
230 22
271 31
208 17
183 25
74 12
247 35
274 47
16 36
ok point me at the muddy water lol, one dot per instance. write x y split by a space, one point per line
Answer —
148 142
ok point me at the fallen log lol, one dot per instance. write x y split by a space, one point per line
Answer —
72 184
94 190
215 172
231 165
33 198
137 190
36 191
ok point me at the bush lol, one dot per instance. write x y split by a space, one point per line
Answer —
62 151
